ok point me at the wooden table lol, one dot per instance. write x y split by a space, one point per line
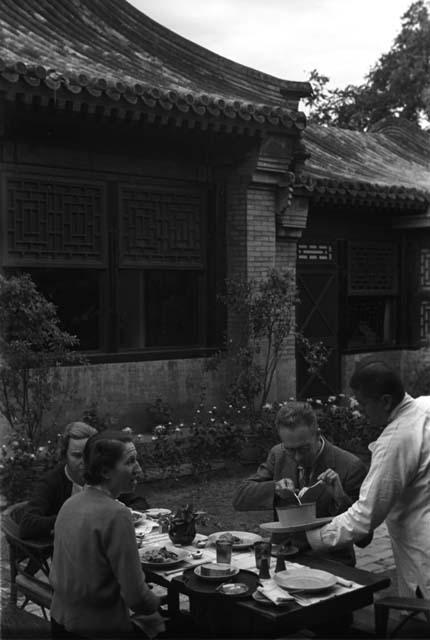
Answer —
223 617
247 618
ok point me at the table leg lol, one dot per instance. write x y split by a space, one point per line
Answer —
381 620
172 601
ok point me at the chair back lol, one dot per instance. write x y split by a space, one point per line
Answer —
36 550
27 557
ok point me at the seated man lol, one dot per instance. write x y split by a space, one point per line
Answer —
59 484
304 457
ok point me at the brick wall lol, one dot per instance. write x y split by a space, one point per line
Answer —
126 390
261 230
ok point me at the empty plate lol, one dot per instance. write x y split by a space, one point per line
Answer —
310 580
157 513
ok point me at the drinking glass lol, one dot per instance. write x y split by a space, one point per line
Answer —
223 551
263 550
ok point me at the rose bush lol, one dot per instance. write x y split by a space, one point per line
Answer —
22 464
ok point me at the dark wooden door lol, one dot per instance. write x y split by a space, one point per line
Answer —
317 317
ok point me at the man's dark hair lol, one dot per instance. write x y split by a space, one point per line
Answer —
102 452
375 379
294 413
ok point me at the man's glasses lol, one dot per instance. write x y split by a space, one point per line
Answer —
306 448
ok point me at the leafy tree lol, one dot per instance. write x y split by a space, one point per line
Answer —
398 84
265 314
32 349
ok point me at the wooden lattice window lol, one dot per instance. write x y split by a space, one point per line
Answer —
147 289
161 228
372 269
371 314
424 294
54 222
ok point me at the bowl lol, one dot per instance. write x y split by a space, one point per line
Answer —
297 514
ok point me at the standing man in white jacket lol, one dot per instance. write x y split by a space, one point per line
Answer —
397 486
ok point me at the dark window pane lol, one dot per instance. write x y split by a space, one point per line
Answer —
370 321
76 294
172 308
131 321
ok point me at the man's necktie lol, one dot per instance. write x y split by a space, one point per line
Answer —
301 477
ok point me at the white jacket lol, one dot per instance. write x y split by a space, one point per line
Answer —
396 489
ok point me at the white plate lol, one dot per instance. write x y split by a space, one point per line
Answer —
157 513
247 539
233 572
181 554
309 580
277 527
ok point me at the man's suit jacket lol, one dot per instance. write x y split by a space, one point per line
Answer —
48 497
258 491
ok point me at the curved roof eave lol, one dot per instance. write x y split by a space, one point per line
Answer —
96 44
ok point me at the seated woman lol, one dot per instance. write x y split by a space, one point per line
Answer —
96 572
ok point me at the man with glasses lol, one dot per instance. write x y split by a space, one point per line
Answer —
302 458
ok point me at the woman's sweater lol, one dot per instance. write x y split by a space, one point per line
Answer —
96 572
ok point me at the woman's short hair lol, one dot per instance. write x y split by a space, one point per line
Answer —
102 452
293 414
375 378
75 431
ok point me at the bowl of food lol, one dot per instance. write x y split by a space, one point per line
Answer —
160 556
156 514
137 517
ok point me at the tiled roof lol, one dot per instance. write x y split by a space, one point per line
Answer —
386 166
107 48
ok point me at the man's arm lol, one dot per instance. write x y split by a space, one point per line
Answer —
38 519
393 464
261 491
257 491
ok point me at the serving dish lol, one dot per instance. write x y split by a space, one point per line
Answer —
240 539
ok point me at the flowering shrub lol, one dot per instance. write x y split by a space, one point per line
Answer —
223 433
342 423
33 349
212 435
22 463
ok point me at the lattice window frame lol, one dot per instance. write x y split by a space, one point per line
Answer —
191 204
383 281
47 236
315 253
424 294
